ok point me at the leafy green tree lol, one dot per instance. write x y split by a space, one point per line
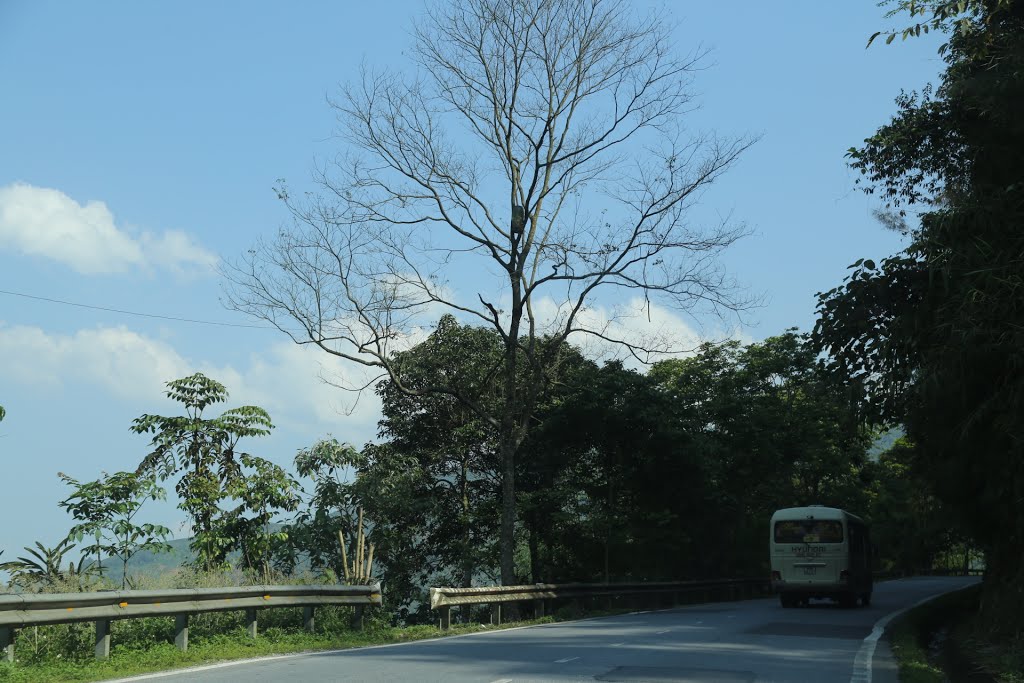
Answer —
771 430
313 534
612 489
106 510
419 524
939 15
431 489
636 476
933 337
624 476
452 451
910 526
260 492
202 453
782 426
823 442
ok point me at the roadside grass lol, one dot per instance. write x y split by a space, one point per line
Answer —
1003 659
130 656
971 646
911 656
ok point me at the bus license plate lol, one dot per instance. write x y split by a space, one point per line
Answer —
810 571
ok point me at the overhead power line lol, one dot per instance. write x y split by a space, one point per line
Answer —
137 313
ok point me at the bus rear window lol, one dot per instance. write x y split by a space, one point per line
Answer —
809 531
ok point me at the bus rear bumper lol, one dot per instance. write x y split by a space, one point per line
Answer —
813 590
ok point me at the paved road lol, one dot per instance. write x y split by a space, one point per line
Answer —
742 642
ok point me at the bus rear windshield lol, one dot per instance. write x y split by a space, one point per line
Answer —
809 531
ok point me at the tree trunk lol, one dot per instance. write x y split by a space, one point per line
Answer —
508 509
534 549
509 437
510 611
467 525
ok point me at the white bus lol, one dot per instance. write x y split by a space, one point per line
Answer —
820 552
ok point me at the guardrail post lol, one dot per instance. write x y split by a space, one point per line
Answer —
538 608
496 613
308 618
446 617
7 634
181 631
357 618
250 622
102 638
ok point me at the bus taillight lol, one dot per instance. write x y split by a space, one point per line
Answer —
844 576
776 576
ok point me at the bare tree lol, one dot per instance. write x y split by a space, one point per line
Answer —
540 149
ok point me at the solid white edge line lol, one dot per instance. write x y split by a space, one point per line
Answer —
863 661
206 667
318 653
270 657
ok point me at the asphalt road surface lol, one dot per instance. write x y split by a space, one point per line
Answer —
738 642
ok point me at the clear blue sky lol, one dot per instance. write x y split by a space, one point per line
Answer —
139 143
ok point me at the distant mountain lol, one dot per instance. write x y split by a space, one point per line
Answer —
884 442
151 563
148 562
154 564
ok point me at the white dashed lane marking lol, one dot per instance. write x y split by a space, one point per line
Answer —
567 659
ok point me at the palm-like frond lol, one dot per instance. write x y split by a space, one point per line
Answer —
40 564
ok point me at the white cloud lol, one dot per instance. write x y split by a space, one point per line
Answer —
126 364
285 379
289 381
175 251
45 222
646 325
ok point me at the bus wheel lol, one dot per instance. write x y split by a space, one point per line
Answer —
865 599
787 600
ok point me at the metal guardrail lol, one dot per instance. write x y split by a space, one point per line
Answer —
894 574
19 610
443 599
